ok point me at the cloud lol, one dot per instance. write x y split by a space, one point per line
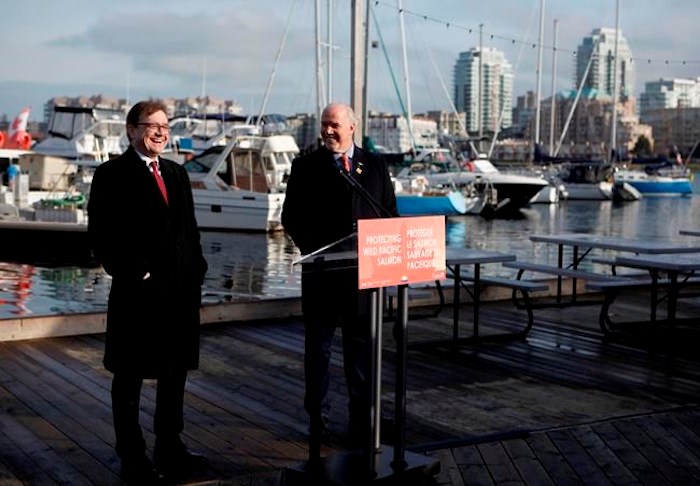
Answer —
229 47
232 51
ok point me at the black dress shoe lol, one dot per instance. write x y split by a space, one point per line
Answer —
177 460
139 470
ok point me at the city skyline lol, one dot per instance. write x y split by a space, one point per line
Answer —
227 49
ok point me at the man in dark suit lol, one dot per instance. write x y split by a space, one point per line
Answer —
321 207
144 233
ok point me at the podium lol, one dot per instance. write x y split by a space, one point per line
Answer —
376 463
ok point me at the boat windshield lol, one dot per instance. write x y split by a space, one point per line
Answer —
204 162
67 122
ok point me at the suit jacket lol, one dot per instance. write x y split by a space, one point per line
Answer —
322 207
151 323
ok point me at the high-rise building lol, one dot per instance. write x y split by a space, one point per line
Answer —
599 49
392 133
669 93
493 97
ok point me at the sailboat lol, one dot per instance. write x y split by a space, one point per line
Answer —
584 179
416 194
659 177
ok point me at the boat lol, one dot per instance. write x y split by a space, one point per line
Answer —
47 199
241 186
419 200
587 180
551 194
56 173
661 178
492 191
84 134
624 191
196 133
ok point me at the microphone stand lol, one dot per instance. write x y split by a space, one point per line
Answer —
376 317
378 209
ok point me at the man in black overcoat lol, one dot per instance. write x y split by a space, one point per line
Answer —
148 241
322 207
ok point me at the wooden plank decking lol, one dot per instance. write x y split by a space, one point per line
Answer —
563 406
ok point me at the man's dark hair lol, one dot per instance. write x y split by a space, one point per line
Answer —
143 109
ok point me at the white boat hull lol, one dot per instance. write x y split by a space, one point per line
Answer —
548 195
238 210
589 191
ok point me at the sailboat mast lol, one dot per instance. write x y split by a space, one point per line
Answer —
613 128
538 94
319 80
357 64
365 108
407 83
204 77
552 116
329 51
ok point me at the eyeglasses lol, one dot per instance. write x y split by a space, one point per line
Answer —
154 127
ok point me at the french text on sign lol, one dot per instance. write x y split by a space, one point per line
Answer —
396 251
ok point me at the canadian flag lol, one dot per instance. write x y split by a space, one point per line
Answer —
17 137
19 124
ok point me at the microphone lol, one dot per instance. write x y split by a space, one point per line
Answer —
378 209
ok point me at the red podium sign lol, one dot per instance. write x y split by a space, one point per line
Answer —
396 251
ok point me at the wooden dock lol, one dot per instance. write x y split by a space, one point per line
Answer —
564 406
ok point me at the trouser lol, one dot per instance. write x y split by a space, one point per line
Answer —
168 420
318 340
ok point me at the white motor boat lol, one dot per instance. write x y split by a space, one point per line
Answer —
84 134
195 133
241 186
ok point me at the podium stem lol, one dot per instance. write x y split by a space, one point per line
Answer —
399 462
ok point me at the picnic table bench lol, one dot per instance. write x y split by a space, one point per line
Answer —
679 275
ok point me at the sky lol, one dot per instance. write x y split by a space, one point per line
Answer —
262 53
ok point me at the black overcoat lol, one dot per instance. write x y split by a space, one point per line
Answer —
321 207
152 323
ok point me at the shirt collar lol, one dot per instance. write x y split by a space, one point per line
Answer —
350 152
146 159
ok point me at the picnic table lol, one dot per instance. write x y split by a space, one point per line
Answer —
581 246
472 281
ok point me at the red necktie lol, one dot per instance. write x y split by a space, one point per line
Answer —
346 162
159 180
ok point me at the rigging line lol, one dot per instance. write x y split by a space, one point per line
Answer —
423 68
460 120
528 31
274 69
579 90
474 30
388 61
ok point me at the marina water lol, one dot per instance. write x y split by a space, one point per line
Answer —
247 266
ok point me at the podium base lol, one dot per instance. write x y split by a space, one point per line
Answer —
351 468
